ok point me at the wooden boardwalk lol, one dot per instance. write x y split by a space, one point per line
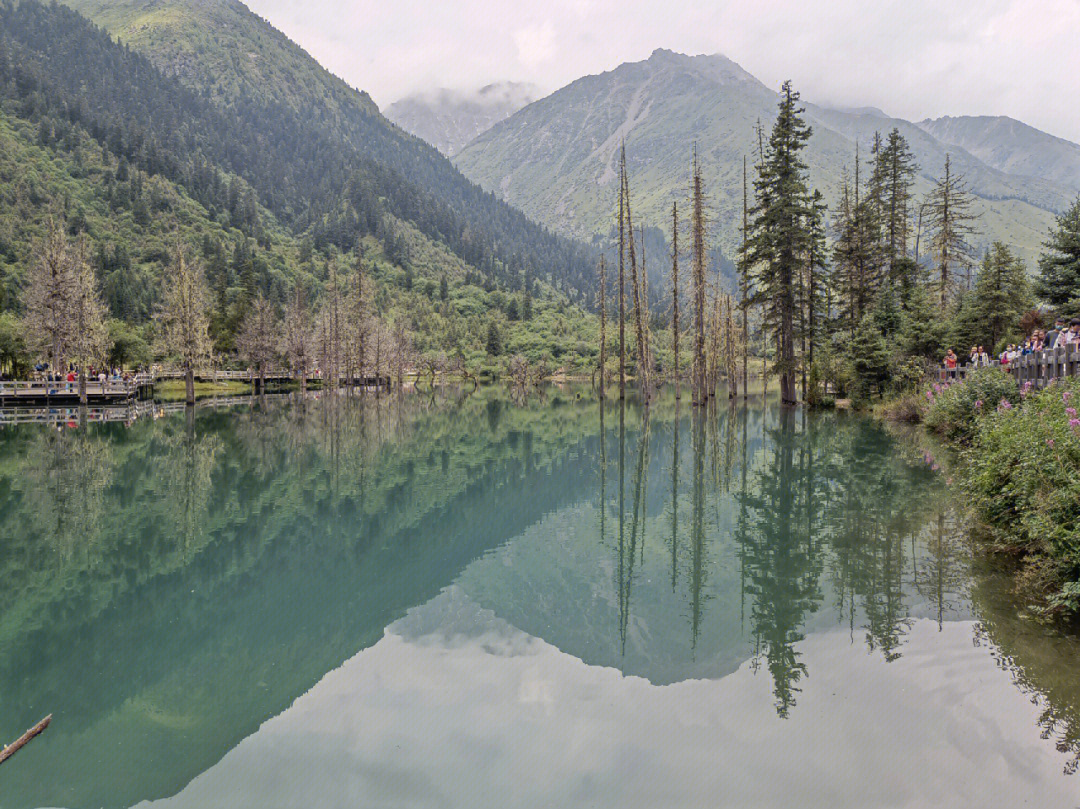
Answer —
1039 368
111 390
141 386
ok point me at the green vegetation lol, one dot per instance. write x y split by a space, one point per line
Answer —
954 410
131 162
557 158
1020 475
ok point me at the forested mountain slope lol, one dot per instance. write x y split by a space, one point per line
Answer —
97 137
556 159
327 133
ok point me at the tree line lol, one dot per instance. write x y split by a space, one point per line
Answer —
854 301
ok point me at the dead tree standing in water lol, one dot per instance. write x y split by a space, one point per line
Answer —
675 291
697 226
639 329
603 325
622 280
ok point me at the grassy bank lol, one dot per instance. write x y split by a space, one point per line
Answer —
1019 470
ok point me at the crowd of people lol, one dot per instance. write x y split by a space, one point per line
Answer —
43 373
1063 334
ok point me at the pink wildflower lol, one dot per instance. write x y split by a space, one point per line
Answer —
1004 404
978 404
1050 442
1074 423
1070 412
1066 395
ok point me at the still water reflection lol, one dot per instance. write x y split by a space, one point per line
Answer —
460 601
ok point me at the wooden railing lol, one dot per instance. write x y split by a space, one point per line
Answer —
1038 368
42 388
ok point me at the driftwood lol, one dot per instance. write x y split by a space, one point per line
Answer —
23 740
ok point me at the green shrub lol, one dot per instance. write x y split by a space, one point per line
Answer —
955 408
1022 473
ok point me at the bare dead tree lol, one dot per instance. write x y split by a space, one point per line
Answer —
89 336
635 281
602 295
184 316
257 341
744 284
675 293
296 342
622 277
697 228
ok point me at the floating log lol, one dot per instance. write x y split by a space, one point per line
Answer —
23 740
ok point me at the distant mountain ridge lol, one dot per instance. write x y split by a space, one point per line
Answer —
555 159
449 119
1011 146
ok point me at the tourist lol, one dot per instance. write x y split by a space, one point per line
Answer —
950 361
1061 325
982 358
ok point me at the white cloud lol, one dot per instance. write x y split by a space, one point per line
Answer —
915 58
535 44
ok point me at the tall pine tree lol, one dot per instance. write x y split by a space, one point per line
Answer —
1059 268
778 231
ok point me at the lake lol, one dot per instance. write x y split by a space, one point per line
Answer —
458 600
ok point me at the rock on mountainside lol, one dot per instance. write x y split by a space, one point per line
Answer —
449 119
555 159
1012 146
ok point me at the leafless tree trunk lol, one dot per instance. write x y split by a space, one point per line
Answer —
603 325
697 225
622 277
639 331
184 316
675 294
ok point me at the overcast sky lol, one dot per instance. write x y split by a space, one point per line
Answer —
912 58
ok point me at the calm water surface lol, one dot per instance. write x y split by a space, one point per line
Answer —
465 602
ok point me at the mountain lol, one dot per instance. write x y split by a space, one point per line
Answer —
243 66
96 136
556 158
449 119
1011 146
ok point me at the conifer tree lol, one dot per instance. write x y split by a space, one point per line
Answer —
1002 295
857 251
923 330
951 225
1058 282
779 233
813 282
896 165
870 358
